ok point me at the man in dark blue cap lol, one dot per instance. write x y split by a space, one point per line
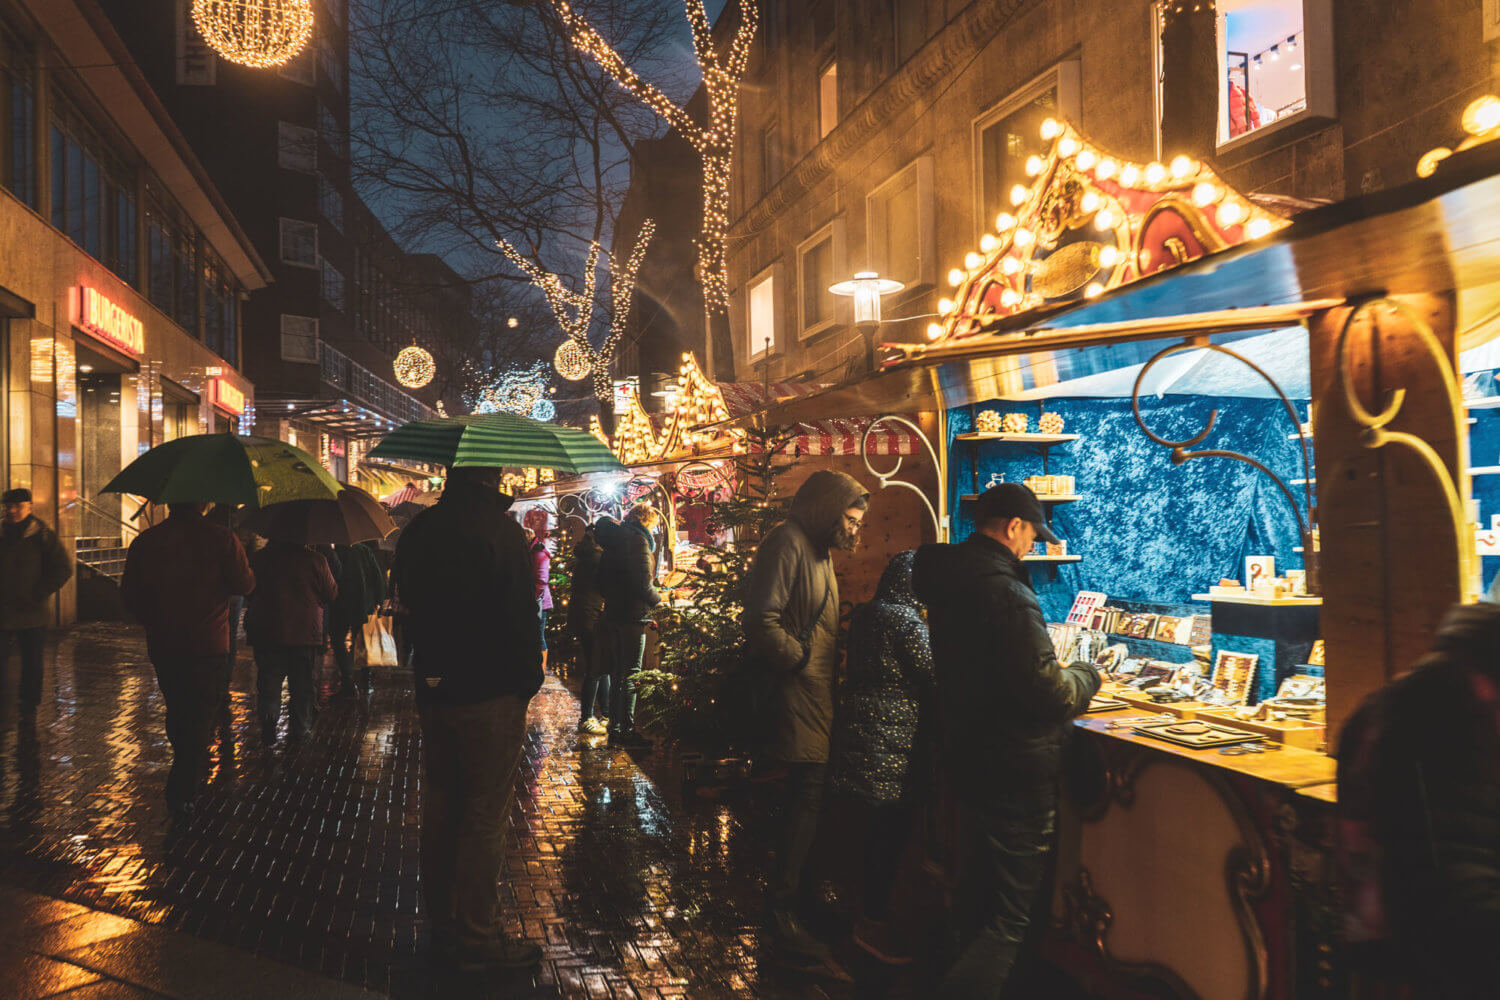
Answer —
33 566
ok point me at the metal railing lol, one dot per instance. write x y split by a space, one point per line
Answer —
364 386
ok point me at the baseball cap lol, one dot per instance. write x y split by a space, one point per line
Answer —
18 495
1014 500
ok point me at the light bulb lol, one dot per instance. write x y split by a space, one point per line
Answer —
1093 290
1130 175
988 243
1430 160
1258 228
946 306
1231 213
1155 173
1024 237
1482 115
1182 166
1089 203
972 260
1018 194
1068 146
1004 222
1205 194
1010 265
1033 166
934 331
1106 169
956 277
1086 159
1104 220
1010 298
1050 128
1108 257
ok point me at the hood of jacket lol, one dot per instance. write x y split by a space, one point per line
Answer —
941 572
820 504
895 583
640 529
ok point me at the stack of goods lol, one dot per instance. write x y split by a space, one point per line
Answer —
1050 423
1049 486
1014 423
988 422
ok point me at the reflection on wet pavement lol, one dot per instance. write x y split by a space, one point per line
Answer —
309 855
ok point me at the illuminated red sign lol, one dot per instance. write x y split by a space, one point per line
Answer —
226 397
100 316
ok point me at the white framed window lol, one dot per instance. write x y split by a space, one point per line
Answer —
901 226
828 99
301 68
332 284
820 263
296 148
1011 131
763 310
197 63
299 242
1275 61
299 338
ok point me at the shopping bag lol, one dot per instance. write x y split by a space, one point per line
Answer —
380 645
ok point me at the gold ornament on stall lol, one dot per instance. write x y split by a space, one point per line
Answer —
414 367
257 33
570 361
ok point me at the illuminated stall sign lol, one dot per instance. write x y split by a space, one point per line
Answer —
227 398
103 318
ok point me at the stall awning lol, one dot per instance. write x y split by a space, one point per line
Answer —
825 435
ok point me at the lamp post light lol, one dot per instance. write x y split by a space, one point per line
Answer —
866 288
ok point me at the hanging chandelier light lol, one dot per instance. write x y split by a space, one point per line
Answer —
256 33
414 367
571 361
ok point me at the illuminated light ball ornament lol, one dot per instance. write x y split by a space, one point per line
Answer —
414 367
544 410
260 34
571 361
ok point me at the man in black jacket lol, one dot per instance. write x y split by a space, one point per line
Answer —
627 577
1004 703
464 575
33 566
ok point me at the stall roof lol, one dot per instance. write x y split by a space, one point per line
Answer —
1430 235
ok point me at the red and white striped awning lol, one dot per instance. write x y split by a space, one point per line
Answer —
830 436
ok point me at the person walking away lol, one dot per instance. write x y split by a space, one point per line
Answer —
1419 806
585 608
627 576
791 622
33 566
284 622
879 757
179 577
1004 702
361 589
541 565
464 575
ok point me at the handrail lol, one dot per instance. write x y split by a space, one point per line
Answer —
84 503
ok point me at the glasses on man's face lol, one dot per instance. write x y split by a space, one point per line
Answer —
853 523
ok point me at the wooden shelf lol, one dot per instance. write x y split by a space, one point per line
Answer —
1052 559
1483 403
1054 498
1264 602
1018 438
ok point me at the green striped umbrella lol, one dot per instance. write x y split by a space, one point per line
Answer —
497 440
225 468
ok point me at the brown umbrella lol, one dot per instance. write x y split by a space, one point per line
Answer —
354 517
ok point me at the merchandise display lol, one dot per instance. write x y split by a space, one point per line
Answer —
1233 674
1050 423
1014 423
1315 658
1198 734
987 422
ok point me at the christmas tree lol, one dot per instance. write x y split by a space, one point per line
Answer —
703 638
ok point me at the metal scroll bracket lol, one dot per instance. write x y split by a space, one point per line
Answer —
1181 449
1375 434
888 479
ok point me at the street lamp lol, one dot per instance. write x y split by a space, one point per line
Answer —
866 288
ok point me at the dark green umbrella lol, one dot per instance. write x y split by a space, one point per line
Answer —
497 440
226 469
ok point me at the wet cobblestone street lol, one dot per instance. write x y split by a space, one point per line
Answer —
308 855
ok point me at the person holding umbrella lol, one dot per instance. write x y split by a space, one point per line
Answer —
284 623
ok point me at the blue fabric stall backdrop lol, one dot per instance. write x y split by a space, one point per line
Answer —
1147 530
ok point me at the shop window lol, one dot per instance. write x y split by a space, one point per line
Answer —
763 313
1011 131
330 203
333 284
18 106
299 338
828 99
296 148
299 242
902 233
818 263
93 193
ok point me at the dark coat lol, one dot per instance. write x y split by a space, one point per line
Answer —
33 566
179 576
292 584
463 572
792 572
585 600
886 693
1003 699
627 572
361 583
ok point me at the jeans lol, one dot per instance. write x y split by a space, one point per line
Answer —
1009 858
31 642
594 663
629 653
469 755
801 806
341 632
542 625
191 687
293 664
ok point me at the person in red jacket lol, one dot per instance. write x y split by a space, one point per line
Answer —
284 623
179 577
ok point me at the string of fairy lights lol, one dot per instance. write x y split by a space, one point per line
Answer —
260 34
714 142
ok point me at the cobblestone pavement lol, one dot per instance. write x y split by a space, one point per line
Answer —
307 856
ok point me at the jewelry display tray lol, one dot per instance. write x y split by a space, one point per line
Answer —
1198 735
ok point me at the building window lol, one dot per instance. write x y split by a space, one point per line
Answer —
220 326
296 148
1262 51
770 156
171 282
93 193
900 216
197 63
333 284
330 203
909 26
818 264
331 62
828 99
18 108
334 134
301 68
763 314
1012 131
299 338
299 242
336 10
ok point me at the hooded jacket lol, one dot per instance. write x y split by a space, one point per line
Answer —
885 696
627 574
792 573
361 583
179 576
1003 699
463 573
292 584
585 602
33 566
